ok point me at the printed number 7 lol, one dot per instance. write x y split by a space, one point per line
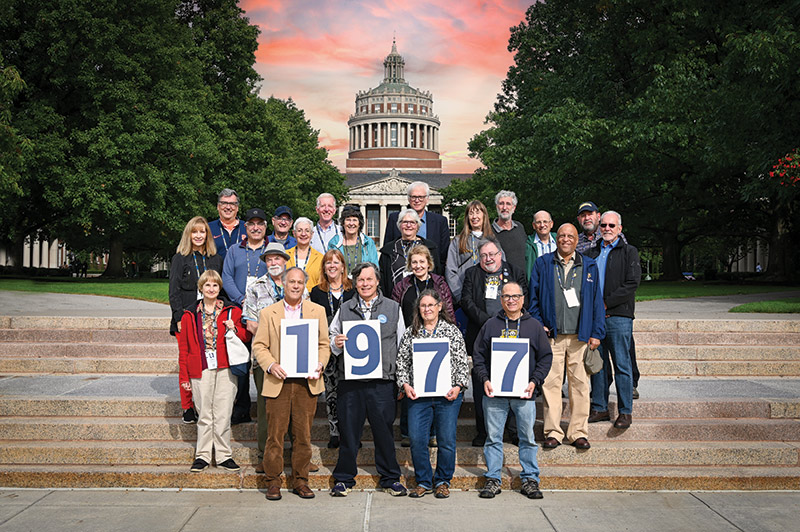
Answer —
519 351
301 331
441 349
371 353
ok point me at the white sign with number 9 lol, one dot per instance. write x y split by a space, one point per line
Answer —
362 350
510 366
431 362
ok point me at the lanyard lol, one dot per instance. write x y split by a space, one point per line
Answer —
416 287
431 334
277 290
473 244
197 266
297 258
322 240
258 257
357 256
223 231
330 300
213 325
516 335
573 273
406 248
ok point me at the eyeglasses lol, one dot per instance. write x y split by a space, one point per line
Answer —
485 256
282 220
417 198
228 203
542 222
511 297
426 307
612 226
408 222
256 224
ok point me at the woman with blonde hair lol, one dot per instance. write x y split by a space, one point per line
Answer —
196 254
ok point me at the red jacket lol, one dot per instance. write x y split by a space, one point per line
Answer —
191 343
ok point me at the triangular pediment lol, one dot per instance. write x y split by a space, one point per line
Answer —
390 185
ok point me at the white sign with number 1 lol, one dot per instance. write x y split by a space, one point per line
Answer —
299 347
431 361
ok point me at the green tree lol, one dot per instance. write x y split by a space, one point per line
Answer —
662 110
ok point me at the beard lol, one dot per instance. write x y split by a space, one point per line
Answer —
275 270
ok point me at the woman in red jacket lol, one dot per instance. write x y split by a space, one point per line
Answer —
204 370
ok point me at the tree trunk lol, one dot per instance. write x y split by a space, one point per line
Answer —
114 266
778 266
672 257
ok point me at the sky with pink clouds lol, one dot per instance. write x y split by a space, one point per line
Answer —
320 53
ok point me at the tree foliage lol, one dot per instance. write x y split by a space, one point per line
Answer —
138 114
663 111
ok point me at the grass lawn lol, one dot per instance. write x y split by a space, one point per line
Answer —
156 290
781 306
649 290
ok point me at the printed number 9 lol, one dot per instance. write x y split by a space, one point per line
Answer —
371 353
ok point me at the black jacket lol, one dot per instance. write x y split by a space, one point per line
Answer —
183 283
623 275
388 256
473 296
541 354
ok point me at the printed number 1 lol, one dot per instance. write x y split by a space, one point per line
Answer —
302 333
511 370
440 349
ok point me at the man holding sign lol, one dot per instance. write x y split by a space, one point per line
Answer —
291 345
365 333
511 357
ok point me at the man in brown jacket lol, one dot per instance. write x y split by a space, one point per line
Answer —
290 398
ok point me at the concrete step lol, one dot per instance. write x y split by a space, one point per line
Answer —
731 325
703 368
76 322
173 429
465 478
128 336
601 453
717 338
158 364
720 353
87 350
158 407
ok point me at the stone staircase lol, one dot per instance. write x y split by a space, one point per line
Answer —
92 402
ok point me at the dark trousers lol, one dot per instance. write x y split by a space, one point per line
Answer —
358 401
634 367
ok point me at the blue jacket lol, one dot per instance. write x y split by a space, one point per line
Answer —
234 270
222 240
290 241
592 319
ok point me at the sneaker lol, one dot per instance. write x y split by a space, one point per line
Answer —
635 393
479 440
198 465
442 491
396 490
530 488
490 489
339 490
405 442
189 416
419 492
230 465
432 442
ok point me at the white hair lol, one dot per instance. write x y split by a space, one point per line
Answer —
417 184
408 212
303 220
506 194
326 195
615 213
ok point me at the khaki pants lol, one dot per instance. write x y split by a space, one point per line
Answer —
296 404
567 352
213 395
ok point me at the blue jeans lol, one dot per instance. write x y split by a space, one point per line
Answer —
496 411
422 414
617 344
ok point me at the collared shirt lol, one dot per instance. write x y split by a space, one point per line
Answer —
423 228
566 263
261 293
322 237
584 242
544 247
292 313
601 260
498 229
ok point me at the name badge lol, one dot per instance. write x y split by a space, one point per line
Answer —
491 291
211 358
572 298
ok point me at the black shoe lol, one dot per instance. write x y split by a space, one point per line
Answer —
198 465
530 488
333 443
230 465
550 443
236 420
189 416
479 440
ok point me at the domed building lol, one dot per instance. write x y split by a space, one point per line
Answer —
394 126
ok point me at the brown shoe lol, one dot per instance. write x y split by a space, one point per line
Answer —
550 443
442 491
418 492
581 443
595 416
623 421
313 468
274 493
304 492
260 468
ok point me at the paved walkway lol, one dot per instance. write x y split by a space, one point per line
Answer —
45 304
185 511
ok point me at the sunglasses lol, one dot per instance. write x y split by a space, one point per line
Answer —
612 226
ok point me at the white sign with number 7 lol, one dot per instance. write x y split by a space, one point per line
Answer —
431 364
510 366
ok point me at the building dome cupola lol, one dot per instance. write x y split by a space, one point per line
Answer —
394 66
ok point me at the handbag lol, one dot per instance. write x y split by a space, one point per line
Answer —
592 361
238 355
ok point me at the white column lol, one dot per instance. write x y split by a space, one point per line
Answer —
382 227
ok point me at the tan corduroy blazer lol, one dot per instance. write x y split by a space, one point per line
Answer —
267 344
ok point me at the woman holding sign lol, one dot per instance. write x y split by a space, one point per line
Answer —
333 289
204 370
432 370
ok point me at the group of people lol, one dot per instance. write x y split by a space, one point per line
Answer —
550 296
